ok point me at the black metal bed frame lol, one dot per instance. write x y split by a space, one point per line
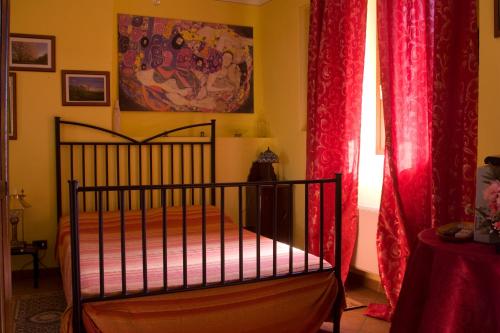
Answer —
166 189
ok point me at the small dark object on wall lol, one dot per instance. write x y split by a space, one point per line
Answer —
41 244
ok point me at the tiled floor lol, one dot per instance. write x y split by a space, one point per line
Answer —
352 321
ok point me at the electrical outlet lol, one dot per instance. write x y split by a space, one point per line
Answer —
41 244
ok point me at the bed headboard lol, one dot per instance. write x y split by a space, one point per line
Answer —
113 159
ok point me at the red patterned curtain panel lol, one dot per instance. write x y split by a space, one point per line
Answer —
429 75
336 59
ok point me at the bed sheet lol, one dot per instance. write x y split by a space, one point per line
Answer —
89 267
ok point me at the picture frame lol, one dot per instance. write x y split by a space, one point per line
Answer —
12 107
497 18
32 53
85 88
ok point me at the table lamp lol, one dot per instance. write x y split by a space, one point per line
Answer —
262 169
17 205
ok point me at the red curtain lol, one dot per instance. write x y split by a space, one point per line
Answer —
429 76
336 58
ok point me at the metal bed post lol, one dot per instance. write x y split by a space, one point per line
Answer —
212 160
336 312
75 257
58 166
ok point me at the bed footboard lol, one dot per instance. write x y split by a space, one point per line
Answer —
229 198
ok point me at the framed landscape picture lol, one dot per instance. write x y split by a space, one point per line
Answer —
85 88
12 107
32 53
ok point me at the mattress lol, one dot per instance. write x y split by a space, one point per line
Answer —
323 284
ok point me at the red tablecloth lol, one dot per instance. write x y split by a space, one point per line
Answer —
449 288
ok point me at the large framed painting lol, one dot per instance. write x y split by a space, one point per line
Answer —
32 53
12 107
177 65
85 88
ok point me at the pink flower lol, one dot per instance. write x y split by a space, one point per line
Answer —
492 195
496 226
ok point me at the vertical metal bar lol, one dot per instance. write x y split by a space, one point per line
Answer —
257 248
182 163
164 237
151 175
106 146
75 255
212 159
121 198
306 230
84 194
58 166
144 245
101 246
338 226
290 234
192 173
95 175
240 231
71 159
321 226
337 306
202 163
204 234
140 165
129 178
275 224
118 174
222 238
142 203
161 164
172 174
184 240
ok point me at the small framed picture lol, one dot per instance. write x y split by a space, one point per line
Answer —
12 107
497 18
32 53
85 88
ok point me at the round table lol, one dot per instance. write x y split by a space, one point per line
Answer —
449 287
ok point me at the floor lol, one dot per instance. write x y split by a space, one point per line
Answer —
352 321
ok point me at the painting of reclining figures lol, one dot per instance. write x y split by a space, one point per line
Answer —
184 66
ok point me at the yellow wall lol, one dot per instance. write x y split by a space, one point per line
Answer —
489 72
284 64
86 39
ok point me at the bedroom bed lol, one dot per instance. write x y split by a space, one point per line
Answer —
148 223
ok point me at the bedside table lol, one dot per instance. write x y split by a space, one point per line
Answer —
33 251
267 211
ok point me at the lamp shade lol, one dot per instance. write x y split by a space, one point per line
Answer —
268 156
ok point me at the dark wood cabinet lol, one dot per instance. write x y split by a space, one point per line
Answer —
267 203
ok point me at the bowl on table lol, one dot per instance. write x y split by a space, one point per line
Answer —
456 232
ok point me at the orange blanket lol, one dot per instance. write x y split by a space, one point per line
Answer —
166 308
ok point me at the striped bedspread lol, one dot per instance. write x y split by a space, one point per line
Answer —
89 251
